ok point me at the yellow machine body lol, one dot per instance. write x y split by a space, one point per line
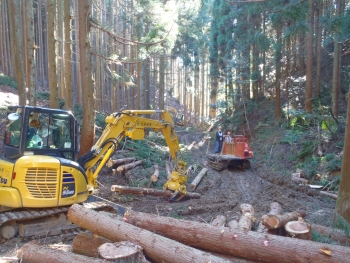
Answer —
40 181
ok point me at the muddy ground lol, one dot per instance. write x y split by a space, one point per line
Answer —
222 192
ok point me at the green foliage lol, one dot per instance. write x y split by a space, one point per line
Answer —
43 95
78 112
292 136
310 167
100 120
7 81
340 223
307 149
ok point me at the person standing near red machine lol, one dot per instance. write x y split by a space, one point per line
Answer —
219 139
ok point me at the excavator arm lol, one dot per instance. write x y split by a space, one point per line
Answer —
132 124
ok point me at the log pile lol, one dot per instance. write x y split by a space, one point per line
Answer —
144 238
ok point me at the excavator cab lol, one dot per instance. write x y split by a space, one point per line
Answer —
38 131
177 117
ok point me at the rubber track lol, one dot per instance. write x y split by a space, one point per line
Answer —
30 214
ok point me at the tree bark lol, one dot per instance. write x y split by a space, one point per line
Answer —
33 253
114 163
51 11
342 205
157 248
198 178
309 57
277 221
86 244
148 191
88 125
16 34
244 244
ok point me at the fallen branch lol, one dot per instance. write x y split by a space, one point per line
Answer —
155 247
238 243
149 191
325 193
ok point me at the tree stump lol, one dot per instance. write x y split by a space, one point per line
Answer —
122 252
298 229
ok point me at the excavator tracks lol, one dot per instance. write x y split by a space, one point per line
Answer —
42 222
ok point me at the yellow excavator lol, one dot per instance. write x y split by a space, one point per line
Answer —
40 176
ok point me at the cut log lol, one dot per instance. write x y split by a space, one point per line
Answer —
233 224
297 229
167 170
198 178
156 248
330 195
239 243
86 244
219 220
155 175
122 252
114 163
275 209
247 219
32 252
277 221
149 191
129 166
332 233
300 180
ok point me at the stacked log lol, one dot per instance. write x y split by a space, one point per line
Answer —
238 243
156 247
